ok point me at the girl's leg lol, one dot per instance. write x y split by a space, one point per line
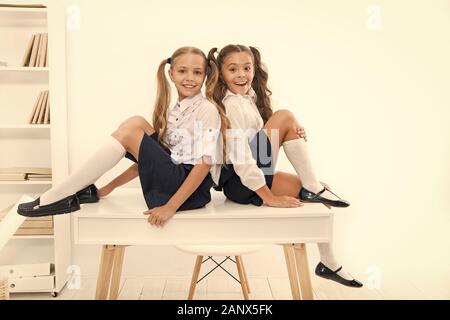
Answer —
281 130
286 184
126 138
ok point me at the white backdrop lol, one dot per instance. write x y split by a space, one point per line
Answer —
368 79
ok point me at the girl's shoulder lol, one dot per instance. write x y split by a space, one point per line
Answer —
207 107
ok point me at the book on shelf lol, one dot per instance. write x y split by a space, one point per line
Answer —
36 52
16 176
9 5
34 232
40 113
27 56
39 178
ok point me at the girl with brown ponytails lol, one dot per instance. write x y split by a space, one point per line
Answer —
255 135
178 159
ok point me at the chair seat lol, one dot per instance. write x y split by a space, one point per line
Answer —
219 250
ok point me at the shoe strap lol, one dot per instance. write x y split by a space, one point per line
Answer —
325 188
319 193
339 269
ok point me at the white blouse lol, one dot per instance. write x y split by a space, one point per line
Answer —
245 122
193 131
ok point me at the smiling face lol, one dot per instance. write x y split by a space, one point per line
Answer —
188 74
238 72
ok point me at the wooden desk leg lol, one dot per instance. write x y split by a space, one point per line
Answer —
245 276
241 277
303 271
119 252
292 270
104 274
198 264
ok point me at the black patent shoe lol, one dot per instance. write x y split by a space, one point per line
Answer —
325 272
88 194
308 196
34 209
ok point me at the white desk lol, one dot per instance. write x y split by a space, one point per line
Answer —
117 221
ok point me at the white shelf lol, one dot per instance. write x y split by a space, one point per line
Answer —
33 237
25 126
29 13
26 183
23 69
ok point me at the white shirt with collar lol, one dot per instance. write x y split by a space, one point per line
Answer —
245 122
193 131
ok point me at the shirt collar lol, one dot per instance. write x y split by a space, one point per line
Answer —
251 94
187 102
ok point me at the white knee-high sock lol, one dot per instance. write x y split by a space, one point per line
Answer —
328 259
104 159
297 152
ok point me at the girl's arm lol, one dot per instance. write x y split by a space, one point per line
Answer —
160 215
128 175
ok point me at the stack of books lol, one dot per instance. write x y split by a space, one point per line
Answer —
25 173
39 226
36 52
41 110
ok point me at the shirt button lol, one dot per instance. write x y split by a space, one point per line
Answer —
176 119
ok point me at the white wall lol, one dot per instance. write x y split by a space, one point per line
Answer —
375 104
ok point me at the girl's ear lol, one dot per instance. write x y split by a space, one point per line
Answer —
170 74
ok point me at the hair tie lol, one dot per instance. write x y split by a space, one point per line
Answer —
169 60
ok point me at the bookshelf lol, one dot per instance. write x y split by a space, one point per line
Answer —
34 145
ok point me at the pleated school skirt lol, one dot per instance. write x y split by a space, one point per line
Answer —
161 176
231 184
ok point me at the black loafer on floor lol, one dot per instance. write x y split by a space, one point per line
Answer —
325 272
33 209
308 196
88 194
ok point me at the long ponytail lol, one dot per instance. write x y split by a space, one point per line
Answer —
259 84
212 77
162 102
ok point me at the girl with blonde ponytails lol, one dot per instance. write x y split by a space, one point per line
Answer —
178 159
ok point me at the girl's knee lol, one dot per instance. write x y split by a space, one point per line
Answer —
139 122
136 121
284 113
126 133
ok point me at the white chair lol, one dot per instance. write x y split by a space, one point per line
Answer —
219 250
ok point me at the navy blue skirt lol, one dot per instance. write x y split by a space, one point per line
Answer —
231 184
161 177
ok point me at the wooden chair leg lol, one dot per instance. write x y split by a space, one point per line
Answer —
119 253
104 274
198 264
303 271
245 276
242 277
292 270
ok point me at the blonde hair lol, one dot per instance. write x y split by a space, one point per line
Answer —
163 95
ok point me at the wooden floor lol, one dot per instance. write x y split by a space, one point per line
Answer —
225 288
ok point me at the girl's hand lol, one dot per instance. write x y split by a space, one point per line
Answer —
301 133
160 215
104 191
283 202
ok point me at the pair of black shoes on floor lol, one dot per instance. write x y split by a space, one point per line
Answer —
309 196
66 205
325 272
